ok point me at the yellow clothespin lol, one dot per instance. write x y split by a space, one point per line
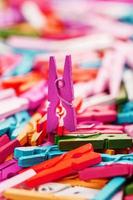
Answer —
15 194
25 136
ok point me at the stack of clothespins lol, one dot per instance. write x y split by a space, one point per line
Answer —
66 100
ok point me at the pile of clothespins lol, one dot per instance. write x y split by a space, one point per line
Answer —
66 100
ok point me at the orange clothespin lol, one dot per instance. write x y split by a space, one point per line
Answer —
75 181
22 83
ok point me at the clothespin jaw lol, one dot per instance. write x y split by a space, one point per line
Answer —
60 90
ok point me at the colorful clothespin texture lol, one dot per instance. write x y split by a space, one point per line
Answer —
66 100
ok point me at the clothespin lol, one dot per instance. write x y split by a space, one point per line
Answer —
4 139
89 42
99 141
8 63
128 78
108 77
128 197
36 94
15 180
129 130
15 194
84 88
67 190
106 171
111 164
75 181
32 20
88 129
7 125
63 165
29 156
60 90
8 93
12 105
99 99
8 149
9 16
22 119
24 136
118 195
110 189
102 113
25 66
8 168
112 27
128 190
125 116
22 83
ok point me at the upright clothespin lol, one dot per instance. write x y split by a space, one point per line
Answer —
60 90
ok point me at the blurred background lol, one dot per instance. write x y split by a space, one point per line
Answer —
32 30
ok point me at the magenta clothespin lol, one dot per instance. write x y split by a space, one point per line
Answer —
8 169
106 171
8 149
4 139
60 91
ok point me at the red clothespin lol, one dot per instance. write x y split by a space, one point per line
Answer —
66 164
60 92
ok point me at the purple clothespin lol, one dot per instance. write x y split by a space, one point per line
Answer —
8 169
60 91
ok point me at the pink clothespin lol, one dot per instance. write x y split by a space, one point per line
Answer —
102 113
36 95
9 62
129 129
7 93
60 91
118 196
106 171
110 74
12 105
8 149
104 129
8 169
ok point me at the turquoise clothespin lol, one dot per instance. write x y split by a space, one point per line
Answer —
93 64
21 120
119 158
25 65
29 156
110 189
7 125
126 114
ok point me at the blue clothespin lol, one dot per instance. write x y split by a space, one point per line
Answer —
126 114
7 125
29 156
21 120
25 65
119 158
110 189
93 64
